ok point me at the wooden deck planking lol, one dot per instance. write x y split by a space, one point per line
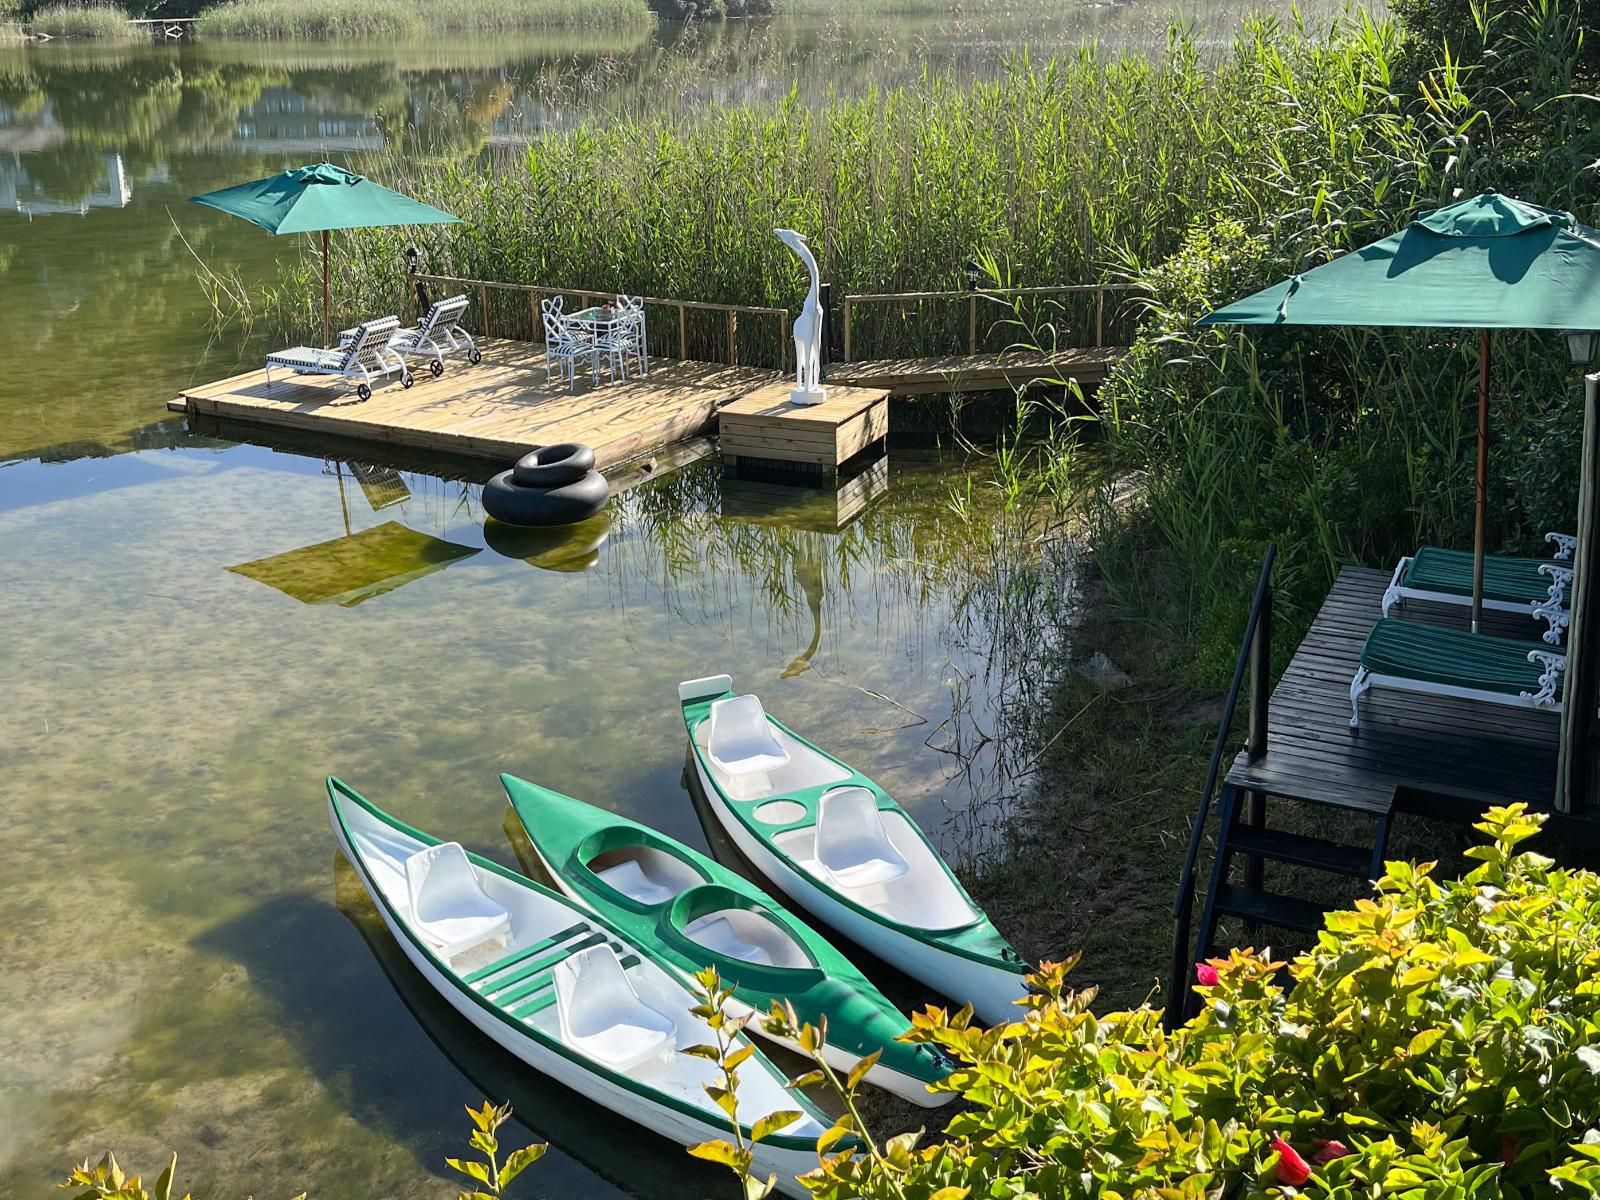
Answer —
976 372
499 409
1407 745
765 425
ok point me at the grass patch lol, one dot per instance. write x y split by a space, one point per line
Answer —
102 22
287 20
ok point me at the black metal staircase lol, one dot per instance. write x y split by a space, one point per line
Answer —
1244 839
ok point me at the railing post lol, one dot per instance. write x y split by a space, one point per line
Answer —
483 307
534 318
783 342
733 336
1255 803
1099 317
847 329
825 300
683 332
972 323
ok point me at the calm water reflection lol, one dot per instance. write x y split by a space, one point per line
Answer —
196 631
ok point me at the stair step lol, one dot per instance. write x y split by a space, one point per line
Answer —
1303 851
1269 908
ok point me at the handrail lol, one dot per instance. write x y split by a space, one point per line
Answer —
973 295
585 295
1185 900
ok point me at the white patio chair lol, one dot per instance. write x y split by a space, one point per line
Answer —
562 346
602 1016
741 741
363 357
852 844
449 907
627 337
438 334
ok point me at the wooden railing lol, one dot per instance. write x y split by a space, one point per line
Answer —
731 313
973 296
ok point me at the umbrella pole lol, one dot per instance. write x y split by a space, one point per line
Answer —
326 336
1483 479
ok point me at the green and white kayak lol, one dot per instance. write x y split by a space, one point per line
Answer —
694 913
558 987
838 845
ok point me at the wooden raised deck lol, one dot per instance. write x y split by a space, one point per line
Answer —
499 409
1410 751
976 372
764 426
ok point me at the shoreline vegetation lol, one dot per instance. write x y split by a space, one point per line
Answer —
285 20
85 21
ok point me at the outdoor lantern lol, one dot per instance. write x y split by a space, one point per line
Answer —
413 259
972 271
1581 345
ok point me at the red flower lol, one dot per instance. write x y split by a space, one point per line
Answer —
1292 1169
1508 1148
1328 1151
1206 975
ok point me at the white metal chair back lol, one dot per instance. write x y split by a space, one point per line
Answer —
441 315
368 340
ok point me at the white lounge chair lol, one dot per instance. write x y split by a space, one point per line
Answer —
449 907
741 741
437 335
602 1016
364 357
1533 587
852 845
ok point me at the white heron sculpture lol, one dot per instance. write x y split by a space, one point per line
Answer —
808 387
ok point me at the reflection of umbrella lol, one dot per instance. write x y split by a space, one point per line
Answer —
316 199
1485 263
347 570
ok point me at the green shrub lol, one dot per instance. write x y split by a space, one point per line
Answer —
104 22
1441 1042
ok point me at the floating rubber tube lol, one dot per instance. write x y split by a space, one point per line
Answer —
506 500
553 466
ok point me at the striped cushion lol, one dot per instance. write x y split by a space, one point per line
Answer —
308 357
1512 580
1453 657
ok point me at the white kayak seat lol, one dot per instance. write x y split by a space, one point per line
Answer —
852 845
629 878
602 1016
718 935
741 741
449 907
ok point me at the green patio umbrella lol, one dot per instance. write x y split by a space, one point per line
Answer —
317 199
1486 263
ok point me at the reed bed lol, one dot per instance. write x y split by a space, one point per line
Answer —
100 22
1053 172
268 20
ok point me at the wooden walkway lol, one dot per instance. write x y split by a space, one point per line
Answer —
1410 750
499 409
976 372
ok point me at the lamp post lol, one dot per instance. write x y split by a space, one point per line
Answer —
972 271
1581 344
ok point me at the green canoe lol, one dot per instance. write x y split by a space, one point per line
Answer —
694 913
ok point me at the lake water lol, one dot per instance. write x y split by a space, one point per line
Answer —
186 965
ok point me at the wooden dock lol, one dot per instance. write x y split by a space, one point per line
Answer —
764 427
499 409
1428 753
977 372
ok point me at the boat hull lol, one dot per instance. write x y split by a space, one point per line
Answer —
670 1123
907 1087
991 990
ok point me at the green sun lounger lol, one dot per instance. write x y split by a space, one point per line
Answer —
1437 660
1534 587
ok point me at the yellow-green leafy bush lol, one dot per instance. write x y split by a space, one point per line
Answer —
1441 1042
